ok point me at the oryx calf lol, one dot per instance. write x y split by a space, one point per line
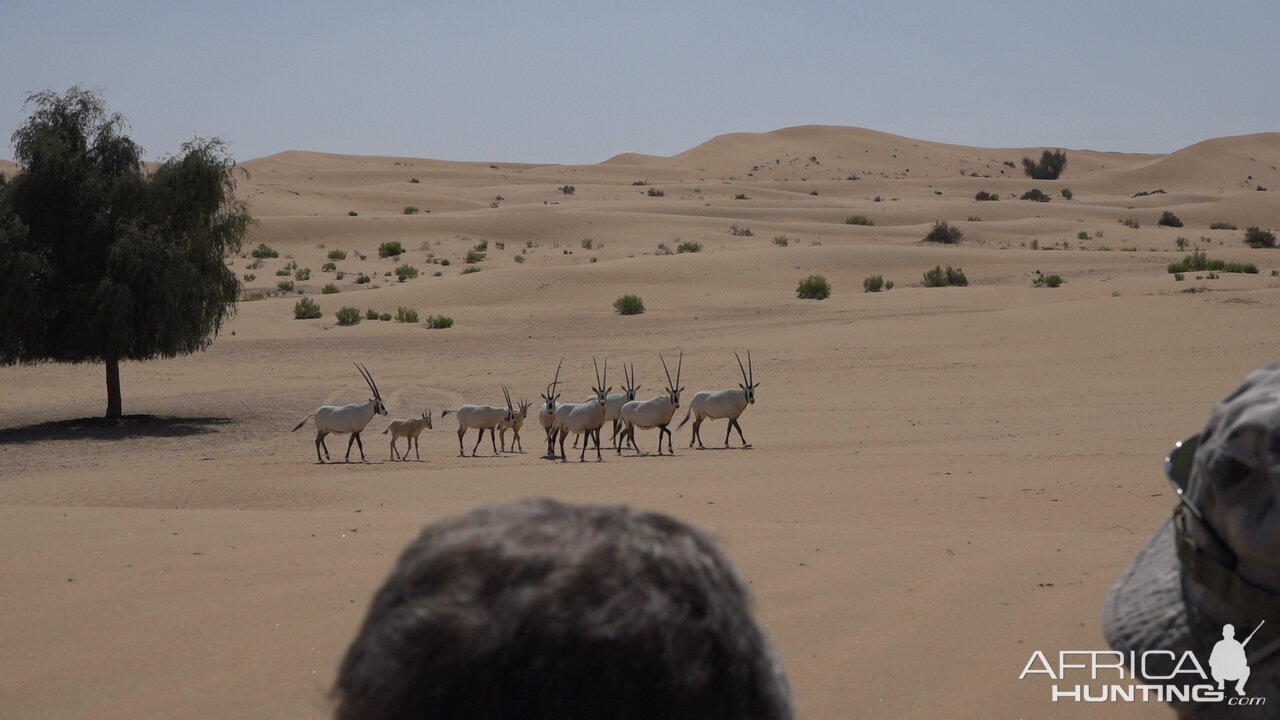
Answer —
514 424
717 404
409 429
481 417
346 419
654 413
584 418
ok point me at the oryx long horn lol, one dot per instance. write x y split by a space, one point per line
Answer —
743 369
751 372
364 372
665 370
507 395
679 367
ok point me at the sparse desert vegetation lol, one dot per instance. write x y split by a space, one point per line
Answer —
944 232
814 287
629 305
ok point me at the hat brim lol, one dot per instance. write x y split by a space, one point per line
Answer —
1147 609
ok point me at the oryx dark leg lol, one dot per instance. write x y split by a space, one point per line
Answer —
734 423
493 438
697 423
617 441
354 437
462 450
417 449
320 444
597 434
479 438
395 455
515 440
564 432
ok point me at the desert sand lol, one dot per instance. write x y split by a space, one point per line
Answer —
941 480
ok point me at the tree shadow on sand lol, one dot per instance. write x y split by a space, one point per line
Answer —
123 428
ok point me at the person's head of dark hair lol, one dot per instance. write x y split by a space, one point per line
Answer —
539 609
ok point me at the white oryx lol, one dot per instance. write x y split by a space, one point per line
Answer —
514 424
654 413
346 419
717 404
613 406
410 429
584 418
547 413
481 417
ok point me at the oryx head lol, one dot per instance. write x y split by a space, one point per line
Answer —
523 411
550 397
600 389
629 387
511 411
427 416
378 405
673 386
748 376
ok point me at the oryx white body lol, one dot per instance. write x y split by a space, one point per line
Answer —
411 429
613 407
351 418
653 413
722 404
514 424
584 418
480 417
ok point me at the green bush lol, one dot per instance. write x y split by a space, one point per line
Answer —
306 309
1082 235
1050 166
943 232
937 277
352 213
371 314
362 279
473 256
302 274
655 192
568 189
285 285
873 283
1067 194
329 289
858 220
406 315
390 249
629 305
469 269
385 317
1130 223
984 196
250 277
328 267
406 272
439 322
1051 281
410 210
588 243
444 262
1222 226
337 254
348 316
1035 195
814 287
518 258
1199 261
781 240
1258 238
1168 219
689 246
264 251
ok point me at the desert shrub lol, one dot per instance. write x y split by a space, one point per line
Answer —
858 220
264 251
385 317
285 285
328 267
410 210
406 272
362 279
481 246
1051 281
655 192
1258 238
1067 194
518 258
1082 235
348 316
814 287
473 256
984 196
284 271
1035 195
250 277
1179 277
252 297
741 196
888 285
1129 223
736 231
781 240
937 277
337 254
306 309
302 274
330 289
439 322
1168 219
1050 166
414 181
1222 226
629 305
444 262
944 232
689 246
588 243
371 314
352 213
873 283
406 315
390 249
568 189
1199 261
469 269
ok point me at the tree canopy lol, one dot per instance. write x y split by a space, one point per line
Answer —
1050 166
102 260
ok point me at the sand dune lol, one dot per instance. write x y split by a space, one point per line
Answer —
943 480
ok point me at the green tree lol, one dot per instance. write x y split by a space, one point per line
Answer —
102 260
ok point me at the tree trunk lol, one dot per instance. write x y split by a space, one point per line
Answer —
113 388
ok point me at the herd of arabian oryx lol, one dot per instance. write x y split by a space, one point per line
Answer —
584 420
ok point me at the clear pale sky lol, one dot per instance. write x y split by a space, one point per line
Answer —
579 82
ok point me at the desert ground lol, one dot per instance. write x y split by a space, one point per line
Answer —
940 480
